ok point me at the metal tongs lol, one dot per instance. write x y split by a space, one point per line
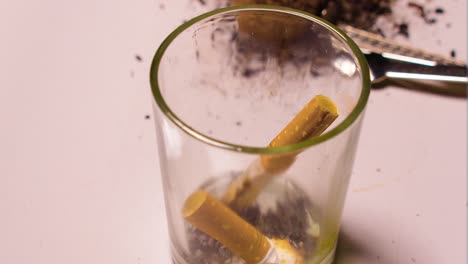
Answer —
391 62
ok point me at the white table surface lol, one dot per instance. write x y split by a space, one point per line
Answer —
79 176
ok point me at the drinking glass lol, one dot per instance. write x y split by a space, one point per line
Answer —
225 84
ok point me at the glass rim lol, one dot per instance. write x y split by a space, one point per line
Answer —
347 122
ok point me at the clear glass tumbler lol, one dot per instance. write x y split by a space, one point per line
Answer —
229 86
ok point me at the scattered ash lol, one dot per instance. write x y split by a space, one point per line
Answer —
424 13
439 10
215 32
419 9
138 58
361 14
247 73
453 53
403 29
380 32
431 21
293 56
250 60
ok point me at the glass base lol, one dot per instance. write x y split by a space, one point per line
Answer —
329 258
280 194
178 258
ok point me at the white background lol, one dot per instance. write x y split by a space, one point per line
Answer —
79 173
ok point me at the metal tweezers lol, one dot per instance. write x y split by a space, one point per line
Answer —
391 61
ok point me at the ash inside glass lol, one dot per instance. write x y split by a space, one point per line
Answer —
281 211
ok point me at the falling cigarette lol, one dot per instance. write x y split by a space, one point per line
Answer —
311 121
214 218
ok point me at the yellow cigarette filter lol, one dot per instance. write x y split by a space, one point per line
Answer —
269 26
311 121
214 218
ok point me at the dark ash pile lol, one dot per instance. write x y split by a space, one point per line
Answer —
361 14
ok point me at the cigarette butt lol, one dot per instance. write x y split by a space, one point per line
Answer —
311 121
213 217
